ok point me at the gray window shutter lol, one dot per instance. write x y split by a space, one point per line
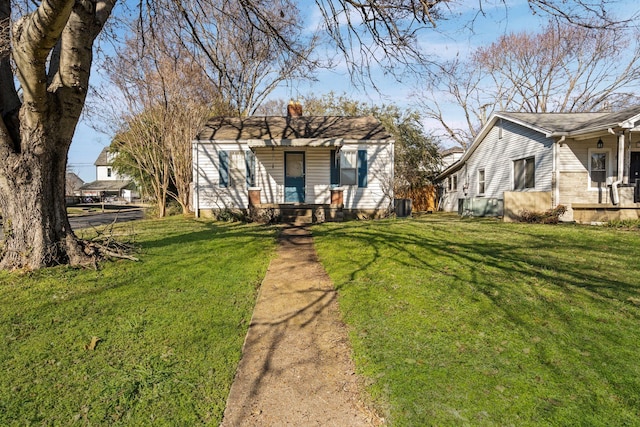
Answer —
362 168
223 170
250 167
335 169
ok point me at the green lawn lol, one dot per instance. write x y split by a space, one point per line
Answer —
478 322
171 328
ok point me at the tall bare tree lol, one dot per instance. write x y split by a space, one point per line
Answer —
564 68
245 48
165 97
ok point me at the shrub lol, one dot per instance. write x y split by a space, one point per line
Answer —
230 215
551 216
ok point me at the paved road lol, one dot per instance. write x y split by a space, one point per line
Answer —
96 219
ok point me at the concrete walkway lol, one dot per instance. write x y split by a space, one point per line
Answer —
296 366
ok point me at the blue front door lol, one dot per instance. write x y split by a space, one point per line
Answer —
293 177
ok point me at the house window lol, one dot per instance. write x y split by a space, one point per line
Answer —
598 168
524 173
348 163
236 168
353 167
237 173
454 183
449 184
108 172
481 181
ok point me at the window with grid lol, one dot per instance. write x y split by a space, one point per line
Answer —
481 181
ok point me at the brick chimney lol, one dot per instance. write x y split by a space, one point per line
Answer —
294 109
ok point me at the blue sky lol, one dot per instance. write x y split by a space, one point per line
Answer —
449 39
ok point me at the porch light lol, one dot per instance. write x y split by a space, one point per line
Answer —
600 143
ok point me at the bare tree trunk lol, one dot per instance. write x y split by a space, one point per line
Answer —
36 227
36 129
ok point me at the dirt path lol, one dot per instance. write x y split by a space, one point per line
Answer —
296 367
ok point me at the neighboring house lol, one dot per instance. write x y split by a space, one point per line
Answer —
342 165
108 183
450 156
588 162
73 184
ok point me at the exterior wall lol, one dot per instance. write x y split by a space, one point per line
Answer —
270 177
573 166
102 174
517 201
496 154
206 177
378 195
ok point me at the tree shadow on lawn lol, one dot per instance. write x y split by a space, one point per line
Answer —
214 230
482 253
547 283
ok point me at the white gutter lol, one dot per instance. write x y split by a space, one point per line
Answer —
197 183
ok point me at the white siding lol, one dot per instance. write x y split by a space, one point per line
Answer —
379 191
496 156
206 177
102 174
318 173
270 174
270 177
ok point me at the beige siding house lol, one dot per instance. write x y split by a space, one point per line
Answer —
334 165
588 162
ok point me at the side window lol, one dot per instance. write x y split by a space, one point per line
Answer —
109 172
481 181
454 183
348 167
353 168
524 173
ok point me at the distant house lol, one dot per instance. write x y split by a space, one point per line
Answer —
108 183
73 185
588 162
335 165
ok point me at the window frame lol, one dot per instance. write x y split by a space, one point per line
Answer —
482 181
359 168
607 171
352 170
526 184
454 181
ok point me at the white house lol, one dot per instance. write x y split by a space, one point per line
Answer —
341 165
108 183
587 162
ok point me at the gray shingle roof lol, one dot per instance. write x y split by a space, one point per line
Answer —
103 159
573 122
106 185
302 127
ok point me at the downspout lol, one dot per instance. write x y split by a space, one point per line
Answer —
615 197
197 173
